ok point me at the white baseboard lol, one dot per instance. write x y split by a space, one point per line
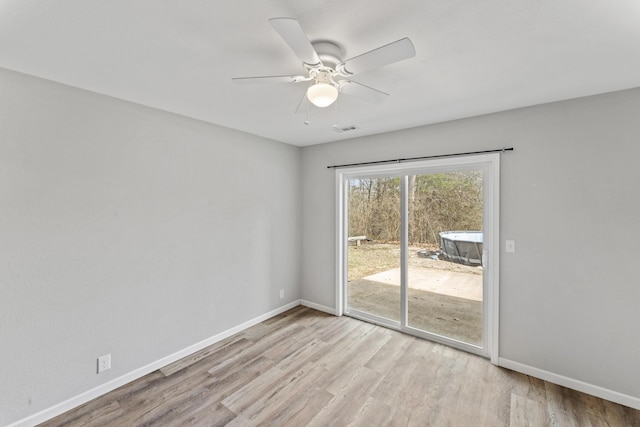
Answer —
318 307
98 391
594 390
53 411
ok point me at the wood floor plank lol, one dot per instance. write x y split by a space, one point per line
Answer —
219 350
563 408
358 355
482 397
202 414
411 362
304 368
302 411
101 415
286 318
287 397
337 330
255 332
527 387
246 395
388 355
286 336
427 386
379 413
344 408
233 380
527 412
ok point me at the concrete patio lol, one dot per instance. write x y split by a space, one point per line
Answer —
447 303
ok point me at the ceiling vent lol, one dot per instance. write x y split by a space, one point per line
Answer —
341 129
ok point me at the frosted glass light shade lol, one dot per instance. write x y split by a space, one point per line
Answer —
322 94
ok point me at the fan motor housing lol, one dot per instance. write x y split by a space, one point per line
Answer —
329 53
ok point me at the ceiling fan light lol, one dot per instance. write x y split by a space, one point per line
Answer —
322 94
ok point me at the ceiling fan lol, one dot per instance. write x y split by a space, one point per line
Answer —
328 73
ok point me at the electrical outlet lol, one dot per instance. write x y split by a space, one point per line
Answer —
281 293
104 363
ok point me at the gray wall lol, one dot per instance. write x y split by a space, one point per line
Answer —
129 231
570 295
135 232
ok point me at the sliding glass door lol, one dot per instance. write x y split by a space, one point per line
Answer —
444 272
417 249
373 260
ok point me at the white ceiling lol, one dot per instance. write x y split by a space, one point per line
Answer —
473 56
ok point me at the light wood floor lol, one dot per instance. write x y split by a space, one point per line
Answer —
305 367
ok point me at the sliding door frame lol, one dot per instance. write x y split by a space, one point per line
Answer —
489 164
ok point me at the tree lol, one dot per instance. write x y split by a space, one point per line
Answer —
437 202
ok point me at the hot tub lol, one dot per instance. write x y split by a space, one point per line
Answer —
463 247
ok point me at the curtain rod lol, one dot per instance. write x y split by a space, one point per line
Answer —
501 150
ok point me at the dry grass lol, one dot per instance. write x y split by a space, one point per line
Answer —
368 259
371 258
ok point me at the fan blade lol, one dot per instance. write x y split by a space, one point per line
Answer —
291 32
388 54
270 79
361 91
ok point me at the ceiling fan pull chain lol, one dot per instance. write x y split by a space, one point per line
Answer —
307 121
335 115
